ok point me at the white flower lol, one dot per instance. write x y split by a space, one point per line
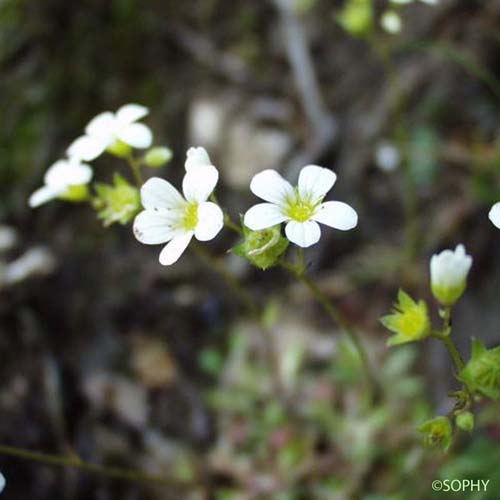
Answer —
494 214
391 22
301 208
449 271
107 129
59 179
2 482
170 217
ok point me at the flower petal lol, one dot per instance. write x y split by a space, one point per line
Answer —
270 186
303 234
336 214
262 216
136 135
315 182
131 113
43 195
171 253
87 148
199 183
152 228
197 157
159 194
67 173
494 214
103 125
210 221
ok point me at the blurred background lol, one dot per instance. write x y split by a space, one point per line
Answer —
108 356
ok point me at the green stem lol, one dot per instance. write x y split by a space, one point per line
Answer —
253 309
76 463
231 225
298 271
135 166
445 337
454 353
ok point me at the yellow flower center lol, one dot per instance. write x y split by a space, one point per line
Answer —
190 219
300 210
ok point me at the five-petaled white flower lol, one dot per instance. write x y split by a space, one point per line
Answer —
59 180
449 271
107 129
494 214
170 217
301 208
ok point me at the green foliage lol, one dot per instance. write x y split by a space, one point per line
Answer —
117 203
262 248
482 372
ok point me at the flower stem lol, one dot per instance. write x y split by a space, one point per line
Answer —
77 463
298 270
255 312
454 353
135 166
231 225
445 337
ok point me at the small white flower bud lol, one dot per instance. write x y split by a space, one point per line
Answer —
449 271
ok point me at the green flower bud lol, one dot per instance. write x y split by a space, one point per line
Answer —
262 248
409 321
157 157
120 149
465 421
482 372
116 203
75 193
357 17
437 432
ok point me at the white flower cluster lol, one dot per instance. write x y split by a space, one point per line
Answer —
174 219
107 131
